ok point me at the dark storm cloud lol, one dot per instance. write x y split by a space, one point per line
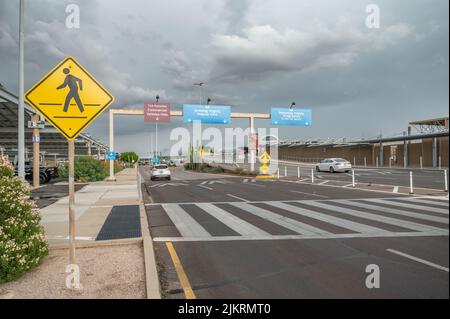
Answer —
250 54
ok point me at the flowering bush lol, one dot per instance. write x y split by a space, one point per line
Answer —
22 239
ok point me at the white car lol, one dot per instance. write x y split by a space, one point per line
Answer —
160 171
334 165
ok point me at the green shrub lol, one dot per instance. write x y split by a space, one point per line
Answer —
190 166
22 238
87 169
117 167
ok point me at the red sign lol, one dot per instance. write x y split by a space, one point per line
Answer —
253 141
157 113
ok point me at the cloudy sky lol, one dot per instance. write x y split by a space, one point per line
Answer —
251 54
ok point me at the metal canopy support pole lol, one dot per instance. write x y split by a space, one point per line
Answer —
71 146
89 144
36 161
21 113
381 154
252 151
434 151
111 144
405 152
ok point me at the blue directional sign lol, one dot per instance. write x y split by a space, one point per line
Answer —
111 156
286 116
156 160
206 114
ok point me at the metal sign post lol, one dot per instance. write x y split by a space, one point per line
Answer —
36 140
72 228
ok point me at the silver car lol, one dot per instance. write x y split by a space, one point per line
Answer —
160 171
334 165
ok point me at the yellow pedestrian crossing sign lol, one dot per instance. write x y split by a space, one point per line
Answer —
264 158
263 169
69 97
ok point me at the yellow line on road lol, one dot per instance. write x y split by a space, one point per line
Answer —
188 292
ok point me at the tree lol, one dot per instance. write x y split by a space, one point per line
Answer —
129 157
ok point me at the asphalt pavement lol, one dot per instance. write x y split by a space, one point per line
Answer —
241 237
422 178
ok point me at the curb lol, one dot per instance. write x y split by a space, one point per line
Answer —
102 243
151 273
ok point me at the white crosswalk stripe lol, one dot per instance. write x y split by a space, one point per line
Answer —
430 202
365 209
394 211
360 228
405 205
288 223
387 220
185 224
238 225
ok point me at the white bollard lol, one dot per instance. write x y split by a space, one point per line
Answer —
298 172
411 187
365 162
390 162
285 171
421 162
354 161
446 182
353 178
376 160
278 173
440 162
312 175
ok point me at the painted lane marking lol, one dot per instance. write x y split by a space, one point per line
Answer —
354 226
304 193
263 201
412 206
290 237
420 260
394 211
387 220
294 225
419 200
188 292
237 197
206 187
238 225
186 225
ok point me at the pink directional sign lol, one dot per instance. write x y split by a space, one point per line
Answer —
157 113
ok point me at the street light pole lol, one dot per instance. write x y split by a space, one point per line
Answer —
200 84
21 113
156 129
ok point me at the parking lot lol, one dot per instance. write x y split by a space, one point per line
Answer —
220 236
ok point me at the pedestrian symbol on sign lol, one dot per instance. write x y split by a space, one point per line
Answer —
73 83
69 97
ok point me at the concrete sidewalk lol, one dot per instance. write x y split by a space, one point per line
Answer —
93 203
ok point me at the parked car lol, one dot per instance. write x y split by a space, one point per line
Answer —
46 173
160 171
334 165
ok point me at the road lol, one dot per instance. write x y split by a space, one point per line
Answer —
426 178
236 237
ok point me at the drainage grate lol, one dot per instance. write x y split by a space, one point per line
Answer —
122 222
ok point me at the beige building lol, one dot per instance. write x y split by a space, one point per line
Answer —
425 144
